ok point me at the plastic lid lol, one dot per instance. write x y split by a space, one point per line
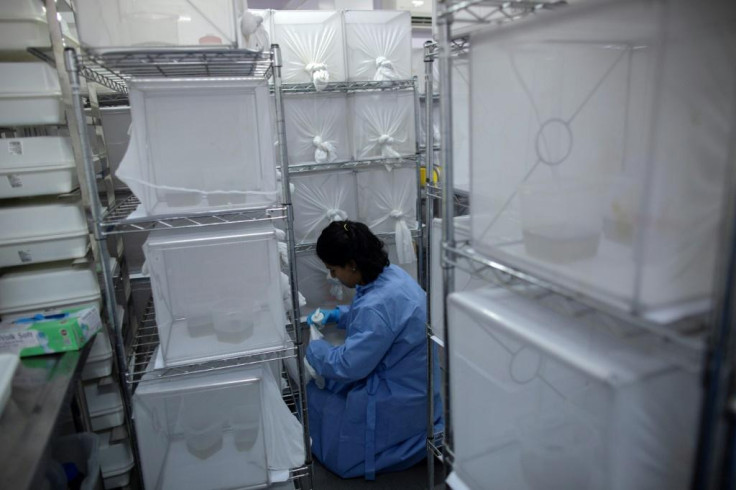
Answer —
116 460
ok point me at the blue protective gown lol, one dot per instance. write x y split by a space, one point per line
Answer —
372 414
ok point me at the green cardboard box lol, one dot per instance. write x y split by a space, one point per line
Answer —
49 333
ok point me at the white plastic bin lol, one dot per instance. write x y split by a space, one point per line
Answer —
316 128
23 24
105 406
35 288
387 203
217 293
116 123
36 166
610 124
29 95
99 360
318 288
200 145
42 233
544 401
321 198
312 46
383 124
378 44
193 430
116 465
119 24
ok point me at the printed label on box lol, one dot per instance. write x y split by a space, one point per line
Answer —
20 340
15 147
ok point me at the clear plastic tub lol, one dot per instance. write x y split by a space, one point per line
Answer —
36 166
619 92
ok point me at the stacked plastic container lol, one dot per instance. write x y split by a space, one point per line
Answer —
602 139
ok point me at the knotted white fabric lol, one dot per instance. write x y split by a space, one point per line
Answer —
320 199
254 33
320 75
404 245
385 141
284 443
384 70
325 151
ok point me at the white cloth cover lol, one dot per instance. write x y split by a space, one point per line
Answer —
284 434
311 45
387 204
314 334
378 45
383 124
316 128
319 199
255 35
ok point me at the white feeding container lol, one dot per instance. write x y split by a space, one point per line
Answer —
111 25
194 430
318 288
116 465
387 203
29 95
319 199
378 45
601 149
544 401
42 233
36 166
312 46
383 124
105 406
32 289
217 293
200 145
316 129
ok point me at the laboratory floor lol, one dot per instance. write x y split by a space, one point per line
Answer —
414 478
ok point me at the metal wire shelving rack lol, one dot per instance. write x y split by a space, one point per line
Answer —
112 70
706 336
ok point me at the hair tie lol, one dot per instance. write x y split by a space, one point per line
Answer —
345 225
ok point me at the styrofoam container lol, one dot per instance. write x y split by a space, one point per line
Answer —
99 360
378 44
36 166
29 95
545 401
42 233
217 293
105 406
196 429
8 364
387 198
321 198
200 145
116 465
32 289
316 129
383 124
603 126
318 288
312 45
116 123
119 24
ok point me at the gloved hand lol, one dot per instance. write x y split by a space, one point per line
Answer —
320 318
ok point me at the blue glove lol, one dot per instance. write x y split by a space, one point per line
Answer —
321 317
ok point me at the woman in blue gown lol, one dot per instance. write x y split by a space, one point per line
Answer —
371 415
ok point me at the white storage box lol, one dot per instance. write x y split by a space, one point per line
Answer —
105 406
217 293
601 151
544 401
318 288
311 45
99 360
378 44
116 464
198 429
116 123
319 199
23 24
387 203
383 124
316 128
119 24
200 145
42 233
29 95
34 288
36 166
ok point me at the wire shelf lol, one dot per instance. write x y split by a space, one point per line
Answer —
387 238
491 11
436 445
405 161
146 342
306 88
117 220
